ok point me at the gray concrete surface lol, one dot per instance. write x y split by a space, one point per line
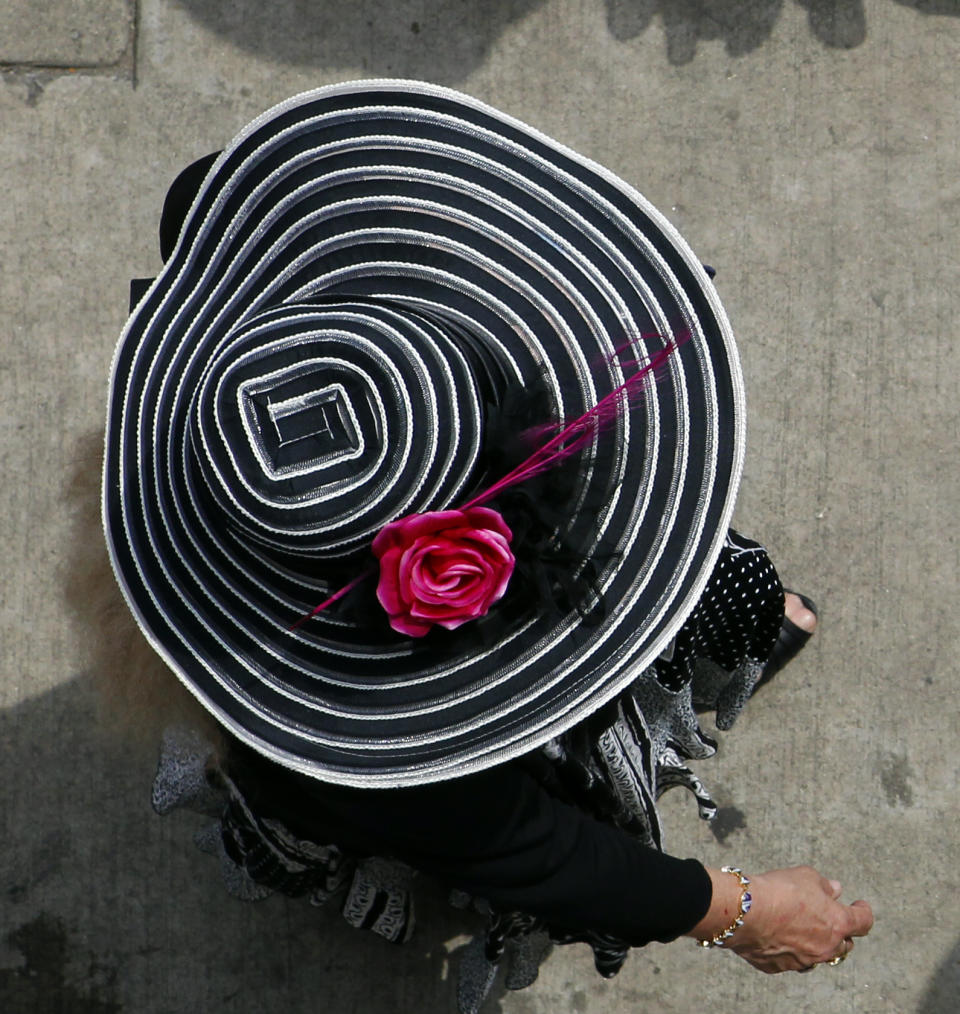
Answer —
64 34
807 148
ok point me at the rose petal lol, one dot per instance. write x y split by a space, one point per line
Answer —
435 579
404 530
466 596
487 518
426 585
388 589
456 573
420 557
435 611
453 624
501 588
445 552
433 561
437 567
405 625
439 614
404 572
390 536
494 545
449 582
483 538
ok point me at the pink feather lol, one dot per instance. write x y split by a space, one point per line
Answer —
577 434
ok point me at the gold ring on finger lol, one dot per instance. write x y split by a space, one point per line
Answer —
837 959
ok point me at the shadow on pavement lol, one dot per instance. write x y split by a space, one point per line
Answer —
105 907
444 42
108 908
944 988
439 42
744 25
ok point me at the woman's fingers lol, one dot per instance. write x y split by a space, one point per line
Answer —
859 919
846 946
843 949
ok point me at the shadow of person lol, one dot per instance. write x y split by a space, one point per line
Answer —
839 25
944 988
440 42
744 25
109 908
941 7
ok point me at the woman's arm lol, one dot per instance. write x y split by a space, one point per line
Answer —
498 834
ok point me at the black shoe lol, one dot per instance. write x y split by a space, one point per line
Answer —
790 641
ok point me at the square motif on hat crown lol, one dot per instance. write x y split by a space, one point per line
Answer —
301 427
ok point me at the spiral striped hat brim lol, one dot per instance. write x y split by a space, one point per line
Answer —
365 269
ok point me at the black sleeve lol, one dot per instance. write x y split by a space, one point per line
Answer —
498 835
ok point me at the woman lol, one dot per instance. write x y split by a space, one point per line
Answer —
421 455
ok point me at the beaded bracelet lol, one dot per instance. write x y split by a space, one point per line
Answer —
745 902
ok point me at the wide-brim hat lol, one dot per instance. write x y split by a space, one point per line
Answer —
365 269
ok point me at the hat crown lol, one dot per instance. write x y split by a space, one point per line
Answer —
316 424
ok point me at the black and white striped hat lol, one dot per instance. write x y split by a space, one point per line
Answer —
365 268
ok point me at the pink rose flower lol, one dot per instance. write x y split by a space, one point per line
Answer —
443 567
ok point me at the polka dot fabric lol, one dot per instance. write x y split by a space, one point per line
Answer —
737 618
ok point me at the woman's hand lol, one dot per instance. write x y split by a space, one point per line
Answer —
795 922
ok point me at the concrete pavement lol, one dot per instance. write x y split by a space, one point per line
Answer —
809 150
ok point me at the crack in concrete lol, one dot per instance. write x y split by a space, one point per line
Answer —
127 63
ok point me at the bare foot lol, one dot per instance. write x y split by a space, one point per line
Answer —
798 613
